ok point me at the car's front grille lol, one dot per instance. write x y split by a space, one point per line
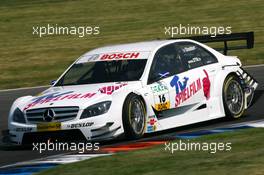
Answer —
60 114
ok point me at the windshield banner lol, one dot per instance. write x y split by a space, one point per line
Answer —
113 56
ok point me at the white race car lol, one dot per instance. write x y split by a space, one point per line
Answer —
133 89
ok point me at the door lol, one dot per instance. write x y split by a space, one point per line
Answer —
180 78
201 68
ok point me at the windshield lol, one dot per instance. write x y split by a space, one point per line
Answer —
103 71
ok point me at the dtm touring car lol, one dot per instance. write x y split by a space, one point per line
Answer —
137 88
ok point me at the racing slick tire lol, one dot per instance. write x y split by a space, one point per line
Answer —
233 97
134 117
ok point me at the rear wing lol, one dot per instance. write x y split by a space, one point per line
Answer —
247 36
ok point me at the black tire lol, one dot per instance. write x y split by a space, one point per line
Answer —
233 97
134 116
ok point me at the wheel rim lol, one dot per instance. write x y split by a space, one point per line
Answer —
137 116
234 97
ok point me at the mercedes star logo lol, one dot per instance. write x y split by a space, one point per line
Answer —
48 115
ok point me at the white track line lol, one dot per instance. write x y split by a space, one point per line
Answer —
36 87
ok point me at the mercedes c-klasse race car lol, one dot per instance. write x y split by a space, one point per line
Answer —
133 89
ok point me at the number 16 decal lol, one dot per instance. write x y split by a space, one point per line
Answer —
162 98
162 103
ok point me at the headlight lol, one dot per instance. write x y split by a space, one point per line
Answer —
18 116
96 109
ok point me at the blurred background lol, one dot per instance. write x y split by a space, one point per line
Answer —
28 60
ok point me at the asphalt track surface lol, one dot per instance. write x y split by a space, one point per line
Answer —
256 112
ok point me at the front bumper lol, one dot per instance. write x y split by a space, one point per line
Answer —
96 128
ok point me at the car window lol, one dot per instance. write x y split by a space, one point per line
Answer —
193 55
103 71
166 62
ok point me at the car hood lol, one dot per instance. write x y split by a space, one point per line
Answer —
78 95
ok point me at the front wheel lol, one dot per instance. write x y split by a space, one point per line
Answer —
134 116
233 97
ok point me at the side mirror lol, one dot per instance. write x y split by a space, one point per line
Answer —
52 82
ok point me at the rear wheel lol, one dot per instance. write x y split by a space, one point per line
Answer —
233 97
134 116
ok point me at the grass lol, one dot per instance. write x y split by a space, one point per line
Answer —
27 60
245 157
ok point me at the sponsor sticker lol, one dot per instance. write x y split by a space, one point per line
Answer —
53 126
157 88
185 91
88 58
161 96
80 125
162 102
110 89
188 49
206 85
194 60
58 96
151 124
113 56
127 55
162 106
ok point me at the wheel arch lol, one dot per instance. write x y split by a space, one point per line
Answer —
135 93
221 78
126 129
217 89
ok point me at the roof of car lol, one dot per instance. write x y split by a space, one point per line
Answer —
137 46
